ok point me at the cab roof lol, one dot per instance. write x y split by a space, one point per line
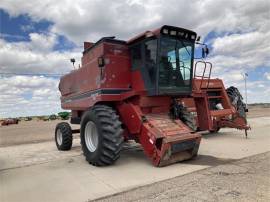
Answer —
166 30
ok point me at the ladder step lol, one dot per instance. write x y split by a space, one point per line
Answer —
221 112
214 89
214 97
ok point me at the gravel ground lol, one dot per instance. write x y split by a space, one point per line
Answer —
247 179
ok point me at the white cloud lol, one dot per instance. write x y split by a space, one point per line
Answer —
236 44
41 42
241 51
28 95
267 75
89 20
243 30
36 56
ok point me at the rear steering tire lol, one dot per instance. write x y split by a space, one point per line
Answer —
63 136
101 135
237 100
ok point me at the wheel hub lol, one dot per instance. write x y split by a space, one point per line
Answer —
91 136
59 137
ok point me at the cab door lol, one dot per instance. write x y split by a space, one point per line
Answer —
144 62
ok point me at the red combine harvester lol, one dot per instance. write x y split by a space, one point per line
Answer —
145 89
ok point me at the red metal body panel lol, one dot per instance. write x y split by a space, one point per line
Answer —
117 67
114 75
78 82
203 112
137 81
130 115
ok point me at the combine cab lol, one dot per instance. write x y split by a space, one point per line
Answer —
140 90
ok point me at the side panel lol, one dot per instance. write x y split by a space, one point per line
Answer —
137 81
85 78
83 87
117 71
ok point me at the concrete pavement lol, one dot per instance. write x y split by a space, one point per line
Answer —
38 172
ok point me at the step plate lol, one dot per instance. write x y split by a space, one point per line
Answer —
166 125
179 142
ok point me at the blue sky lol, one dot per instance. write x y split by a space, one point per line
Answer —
41 36
18 28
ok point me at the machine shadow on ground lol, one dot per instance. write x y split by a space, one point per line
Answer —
134 152
207 160
220 134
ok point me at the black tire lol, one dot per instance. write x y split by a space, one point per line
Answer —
187 118
109 135
64 130
237 100
214 131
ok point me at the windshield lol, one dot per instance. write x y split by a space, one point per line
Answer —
175 63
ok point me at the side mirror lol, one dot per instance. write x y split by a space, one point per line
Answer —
205 52
72 60
101 62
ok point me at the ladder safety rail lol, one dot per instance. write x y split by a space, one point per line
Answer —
203 76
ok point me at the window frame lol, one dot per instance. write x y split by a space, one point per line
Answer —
156 89
178 90
131 56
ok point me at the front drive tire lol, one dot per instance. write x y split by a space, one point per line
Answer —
101 135
63 136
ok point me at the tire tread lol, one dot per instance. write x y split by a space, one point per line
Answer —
111 132
67 136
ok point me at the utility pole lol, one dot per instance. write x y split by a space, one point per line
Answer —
245 75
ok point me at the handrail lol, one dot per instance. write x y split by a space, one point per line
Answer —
203 76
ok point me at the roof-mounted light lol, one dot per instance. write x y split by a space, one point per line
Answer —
165 31
173 32
181 33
